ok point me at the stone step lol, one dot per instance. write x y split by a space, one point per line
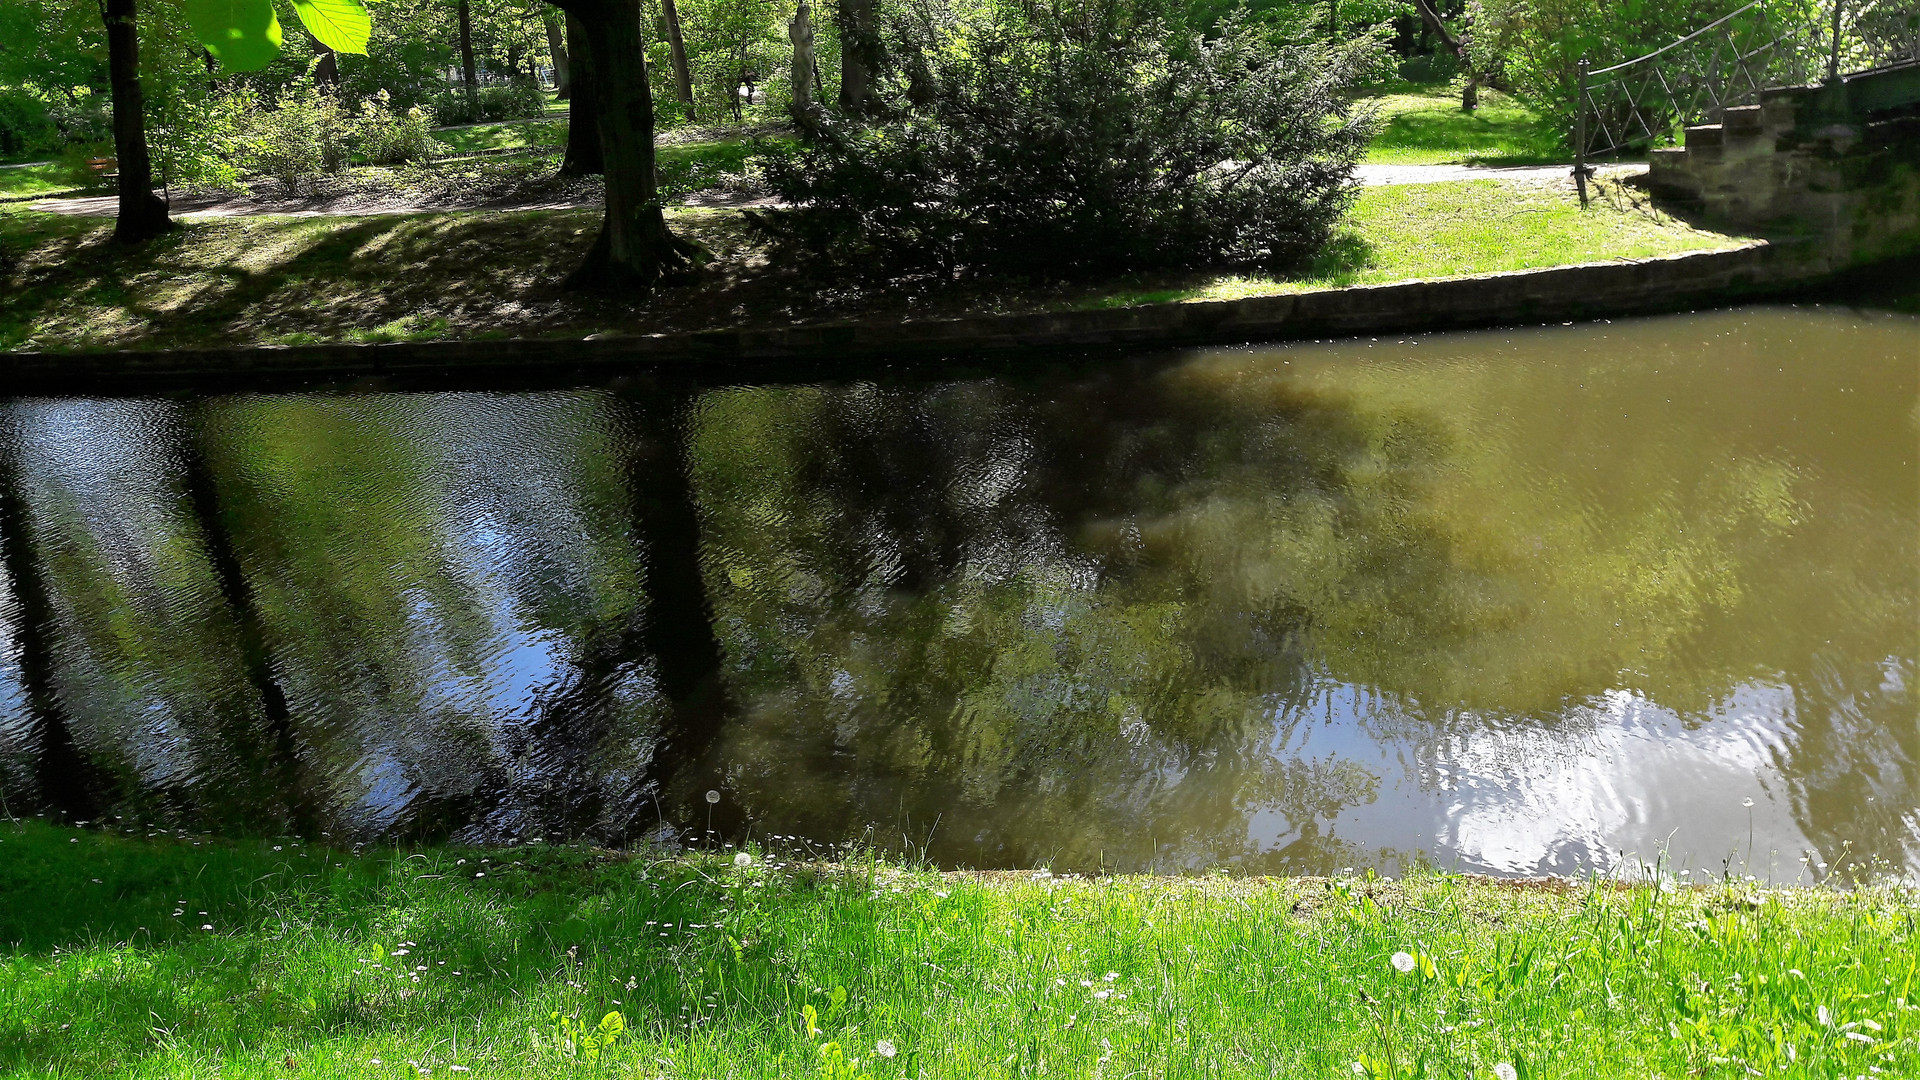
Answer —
1702 136
1744 120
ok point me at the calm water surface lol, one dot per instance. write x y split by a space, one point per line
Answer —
1517 602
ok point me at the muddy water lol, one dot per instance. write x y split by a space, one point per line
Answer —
1517 602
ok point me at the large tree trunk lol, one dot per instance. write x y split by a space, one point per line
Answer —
800 32
557 47
326 73
469 73
859 44
635 250
142 214
583 124
677 46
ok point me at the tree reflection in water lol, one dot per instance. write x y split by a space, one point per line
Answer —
1508 601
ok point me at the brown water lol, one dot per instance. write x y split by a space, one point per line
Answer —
1520 602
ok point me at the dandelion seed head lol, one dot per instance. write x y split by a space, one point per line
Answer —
885 1048
742 859
1505 1071
1403 962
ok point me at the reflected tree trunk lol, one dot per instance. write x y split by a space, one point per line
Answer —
62 774
255 658
859 49
679 628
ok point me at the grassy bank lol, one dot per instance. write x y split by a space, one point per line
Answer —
465 275
154 956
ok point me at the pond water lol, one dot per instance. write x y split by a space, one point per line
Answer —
1517 602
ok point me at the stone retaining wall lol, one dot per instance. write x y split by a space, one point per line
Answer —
1592 290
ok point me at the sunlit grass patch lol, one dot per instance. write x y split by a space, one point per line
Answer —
1429 128
1413 231
146 955
507 135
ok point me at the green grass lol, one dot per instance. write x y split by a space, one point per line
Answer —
508 135
155 956
35 180
1450 229
1426 126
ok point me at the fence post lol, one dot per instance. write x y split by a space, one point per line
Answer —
1580 138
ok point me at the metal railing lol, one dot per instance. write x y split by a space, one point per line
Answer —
1651 99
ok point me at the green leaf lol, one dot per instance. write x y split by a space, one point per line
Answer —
244 35
341 25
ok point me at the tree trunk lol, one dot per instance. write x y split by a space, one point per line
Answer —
469 73
858 44
800 32
61 773
635 250
1333 21
583 124
142 214
677 46
326 73
1470 94
557 47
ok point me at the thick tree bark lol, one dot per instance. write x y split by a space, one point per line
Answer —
800 32
469 72
583 123
677 47
635 250
557 48
859 44
142 214
62 774
326 73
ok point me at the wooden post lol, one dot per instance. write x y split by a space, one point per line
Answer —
1833 55
1580 138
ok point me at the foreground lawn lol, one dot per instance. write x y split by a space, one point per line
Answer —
1426 126
138 955
409 276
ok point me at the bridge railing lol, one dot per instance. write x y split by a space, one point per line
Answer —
1651 99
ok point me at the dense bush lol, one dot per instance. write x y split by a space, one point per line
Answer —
302 138
1058 138
25 127
385 137
517 100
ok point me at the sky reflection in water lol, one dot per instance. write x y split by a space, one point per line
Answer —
1515 602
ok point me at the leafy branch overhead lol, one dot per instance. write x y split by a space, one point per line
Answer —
245 35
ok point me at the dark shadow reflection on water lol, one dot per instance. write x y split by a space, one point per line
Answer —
1515 601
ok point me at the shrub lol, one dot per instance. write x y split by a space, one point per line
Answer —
1060 139
517 100
295 143
384 137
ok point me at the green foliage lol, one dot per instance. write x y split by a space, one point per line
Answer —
385 137
733 47
243 35
1061 138
518 100
25 125
294 143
